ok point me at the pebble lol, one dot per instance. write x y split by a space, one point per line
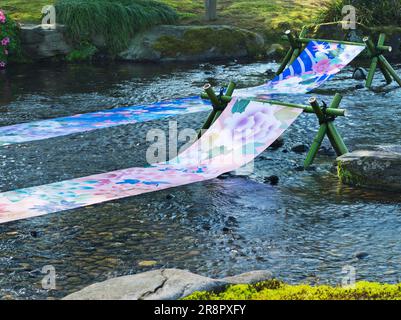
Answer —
147 263
273 180
301 148
361 255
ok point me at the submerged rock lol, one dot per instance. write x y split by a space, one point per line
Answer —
193 43
164 284
273 180
375 169
359 74
301 148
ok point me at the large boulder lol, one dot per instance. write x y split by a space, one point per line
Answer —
193 43
164 284
41 42
375 169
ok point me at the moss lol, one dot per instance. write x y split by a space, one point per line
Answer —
276 290
349 178
199 40
84 52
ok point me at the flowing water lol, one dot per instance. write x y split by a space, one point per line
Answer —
305 229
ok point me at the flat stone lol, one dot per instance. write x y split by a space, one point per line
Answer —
375 169
163 284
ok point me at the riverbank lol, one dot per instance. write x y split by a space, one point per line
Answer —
277 290
256 15
160 34
175 284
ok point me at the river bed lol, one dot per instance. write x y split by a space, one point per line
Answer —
305 229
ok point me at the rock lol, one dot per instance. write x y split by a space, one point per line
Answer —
359 74
39 42
374 169
147 263
300 148
193 43
277 144
273 180
164 284
361 255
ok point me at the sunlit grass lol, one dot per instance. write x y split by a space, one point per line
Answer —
258 15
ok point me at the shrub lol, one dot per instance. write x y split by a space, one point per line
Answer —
370 13
275 290
116 20
9 38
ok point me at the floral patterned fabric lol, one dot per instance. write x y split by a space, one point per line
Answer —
244 130
316 64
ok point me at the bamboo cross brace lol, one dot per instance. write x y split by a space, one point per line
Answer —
379 60
217 103
307 109
328 128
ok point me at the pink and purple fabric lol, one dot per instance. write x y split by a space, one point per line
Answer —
316 64
244 130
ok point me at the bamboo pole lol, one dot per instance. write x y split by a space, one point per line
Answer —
285 61
307 109
317 142
390 69
307 40
386 74
339 145
291 52
229 93
332 133
372 71
382 60
211 95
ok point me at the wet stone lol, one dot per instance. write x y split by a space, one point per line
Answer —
301 148
273 180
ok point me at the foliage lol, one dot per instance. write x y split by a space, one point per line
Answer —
84 52
368 12
9 38
204 38
116 20
276 290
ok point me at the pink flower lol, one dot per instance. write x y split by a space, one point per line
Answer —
5 41
2 64
322 66
2 17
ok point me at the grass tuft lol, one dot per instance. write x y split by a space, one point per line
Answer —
116 20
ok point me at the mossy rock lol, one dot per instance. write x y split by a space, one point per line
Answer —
276 290
194 43
374 169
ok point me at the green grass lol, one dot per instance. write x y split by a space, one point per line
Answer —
257 15
368 12
116 20
276 290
